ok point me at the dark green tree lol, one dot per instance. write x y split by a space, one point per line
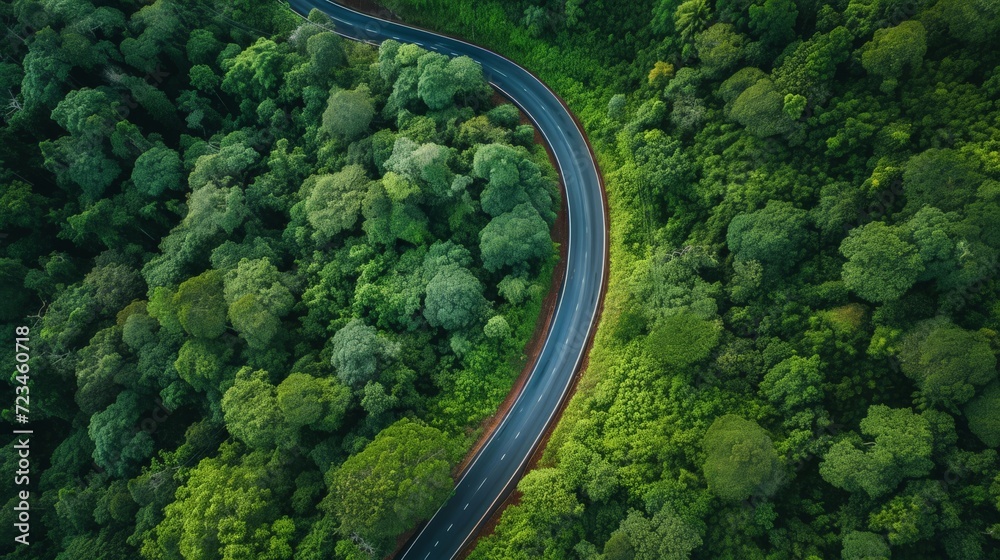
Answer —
515 239
901 450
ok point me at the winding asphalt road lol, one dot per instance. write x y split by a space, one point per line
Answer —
494 472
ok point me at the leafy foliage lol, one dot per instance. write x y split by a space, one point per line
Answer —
248 252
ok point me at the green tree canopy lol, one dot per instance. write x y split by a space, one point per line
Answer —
895 50
227 508
901 450
774 21
513 179
720 48
201 307
740 460
947 361
761 109
682 339
881 265
333 202
348 113
794 383
313 402
775 236
861 545
252 412
454 299
158 170
202 364
118 446
983 414
942 178
257 300
664 537
326 52
397 480
515 239
356 349
690 18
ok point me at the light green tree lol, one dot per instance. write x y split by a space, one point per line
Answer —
794 383
252 413
397 480
720 48
682 339
761 109
664 537
313 402
348 113
333 202
228 507
257 300
690 18
740 460
861 545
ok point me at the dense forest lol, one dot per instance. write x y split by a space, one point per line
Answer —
271 281
797 358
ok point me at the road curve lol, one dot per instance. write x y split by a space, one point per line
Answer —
493 473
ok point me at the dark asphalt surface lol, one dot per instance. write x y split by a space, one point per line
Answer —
494 472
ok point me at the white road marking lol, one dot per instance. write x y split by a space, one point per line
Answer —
501 73
449 527
466 507
518 433
437 543
593 315
504 455
481 484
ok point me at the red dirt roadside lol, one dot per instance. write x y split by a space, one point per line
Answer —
560 234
